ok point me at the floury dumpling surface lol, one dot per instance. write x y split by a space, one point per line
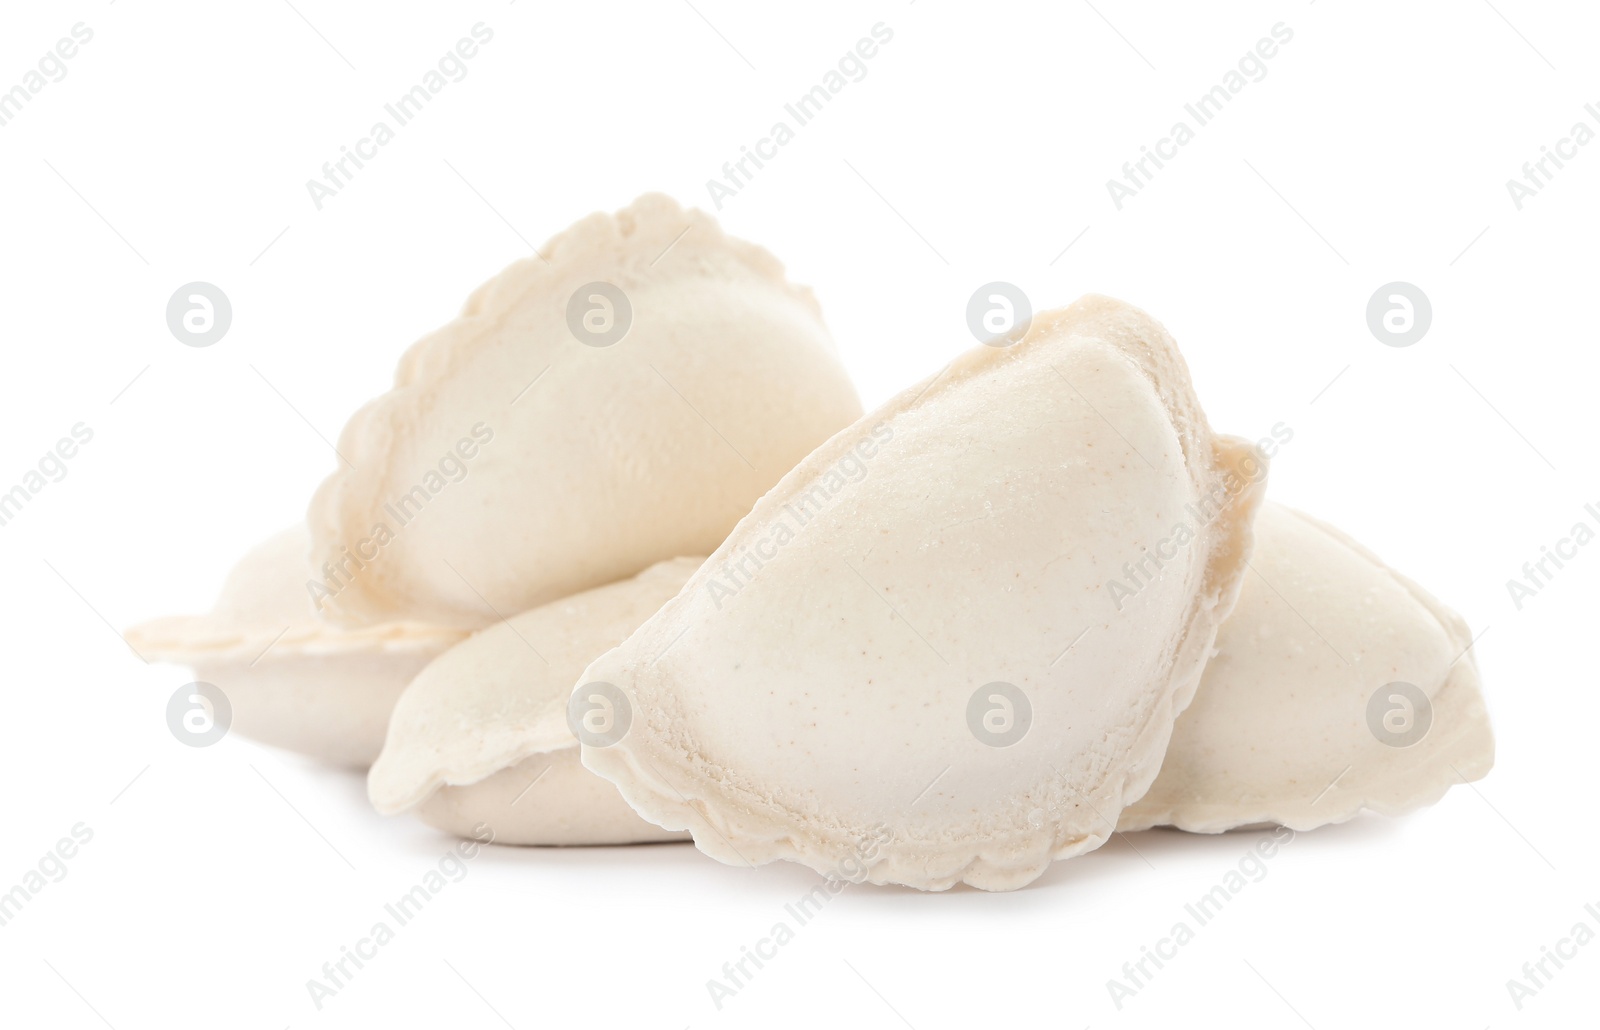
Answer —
906 658
620 400
481 737
292 679
1338 685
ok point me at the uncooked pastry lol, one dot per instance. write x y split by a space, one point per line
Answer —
481 736
591 462
1280 731
844 682
294 680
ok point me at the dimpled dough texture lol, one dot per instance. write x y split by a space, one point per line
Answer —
1279 731
480 738
615 457
807 695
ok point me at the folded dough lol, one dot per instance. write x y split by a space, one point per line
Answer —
1280 730
481 736
292 679
582 460
845 682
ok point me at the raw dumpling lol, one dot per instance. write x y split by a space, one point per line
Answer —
481 737
951 644
1338 685
621 400
291 679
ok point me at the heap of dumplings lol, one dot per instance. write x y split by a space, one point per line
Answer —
620 559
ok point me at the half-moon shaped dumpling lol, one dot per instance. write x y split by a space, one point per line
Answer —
620 400
950 645
291 679
1338 685
481 737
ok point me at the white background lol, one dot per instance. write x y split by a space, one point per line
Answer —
1376 149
